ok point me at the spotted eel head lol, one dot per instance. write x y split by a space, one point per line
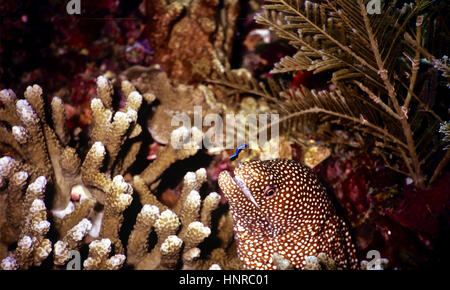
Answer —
280 194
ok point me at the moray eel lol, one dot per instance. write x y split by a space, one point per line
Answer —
279 206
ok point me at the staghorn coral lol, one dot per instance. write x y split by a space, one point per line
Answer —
45 164
98 257
179 230
32 246
71 241
118 198
45 151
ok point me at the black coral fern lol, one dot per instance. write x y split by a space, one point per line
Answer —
374 61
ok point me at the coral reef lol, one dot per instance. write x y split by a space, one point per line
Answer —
98 257
179 231
32 246
84 46
369 128
97 173
173 99
87 196
373 99
188 37
323 262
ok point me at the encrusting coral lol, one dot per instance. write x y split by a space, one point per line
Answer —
189 36
45 170
153 81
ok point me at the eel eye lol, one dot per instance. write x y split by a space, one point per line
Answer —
270 191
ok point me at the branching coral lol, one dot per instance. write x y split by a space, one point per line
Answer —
70 242
445 129
44 151
323 262
32 246
173 100
45 165
98 257
179 231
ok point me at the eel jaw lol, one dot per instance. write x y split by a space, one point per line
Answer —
240 183
228 177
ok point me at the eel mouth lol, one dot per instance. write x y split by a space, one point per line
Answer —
238 181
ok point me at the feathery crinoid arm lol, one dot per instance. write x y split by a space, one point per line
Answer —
373 92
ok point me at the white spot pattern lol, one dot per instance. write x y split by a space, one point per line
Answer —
298 221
